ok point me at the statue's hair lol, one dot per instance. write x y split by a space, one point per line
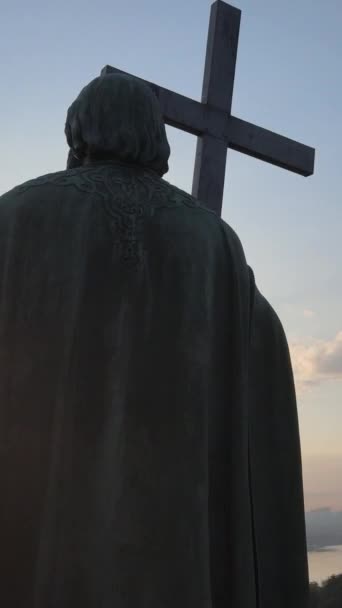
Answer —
118 116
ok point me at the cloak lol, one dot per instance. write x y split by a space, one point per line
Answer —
148 427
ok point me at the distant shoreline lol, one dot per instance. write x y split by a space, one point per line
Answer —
324 549
323 529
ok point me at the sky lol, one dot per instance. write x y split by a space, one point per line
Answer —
288 79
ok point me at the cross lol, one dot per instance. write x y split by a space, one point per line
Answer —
211 120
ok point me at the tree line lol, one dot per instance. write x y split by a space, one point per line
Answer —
328 594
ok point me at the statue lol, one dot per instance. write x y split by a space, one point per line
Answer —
149 434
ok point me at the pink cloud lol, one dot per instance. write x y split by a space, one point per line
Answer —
317 362
308 313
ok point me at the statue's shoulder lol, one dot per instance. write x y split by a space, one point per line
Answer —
19 196
78 178
16 194
36 182
48 186
176 196
200 216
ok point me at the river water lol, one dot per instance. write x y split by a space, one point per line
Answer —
324 563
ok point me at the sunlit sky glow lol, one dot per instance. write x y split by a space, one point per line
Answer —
288 80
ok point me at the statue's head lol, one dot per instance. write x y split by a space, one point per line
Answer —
117 117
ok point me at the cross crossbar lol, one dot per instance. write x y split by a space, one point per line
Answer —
211 121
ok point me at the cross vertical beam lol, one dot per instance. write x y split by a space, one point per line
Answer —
217 92
211 120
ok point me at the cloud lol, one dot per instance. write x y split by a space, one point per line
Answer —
308 313
317 362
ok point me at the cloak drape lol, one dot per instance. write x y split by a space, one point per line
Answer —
148 427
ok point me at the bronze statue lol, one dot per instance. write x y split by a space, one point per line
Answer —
149 434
